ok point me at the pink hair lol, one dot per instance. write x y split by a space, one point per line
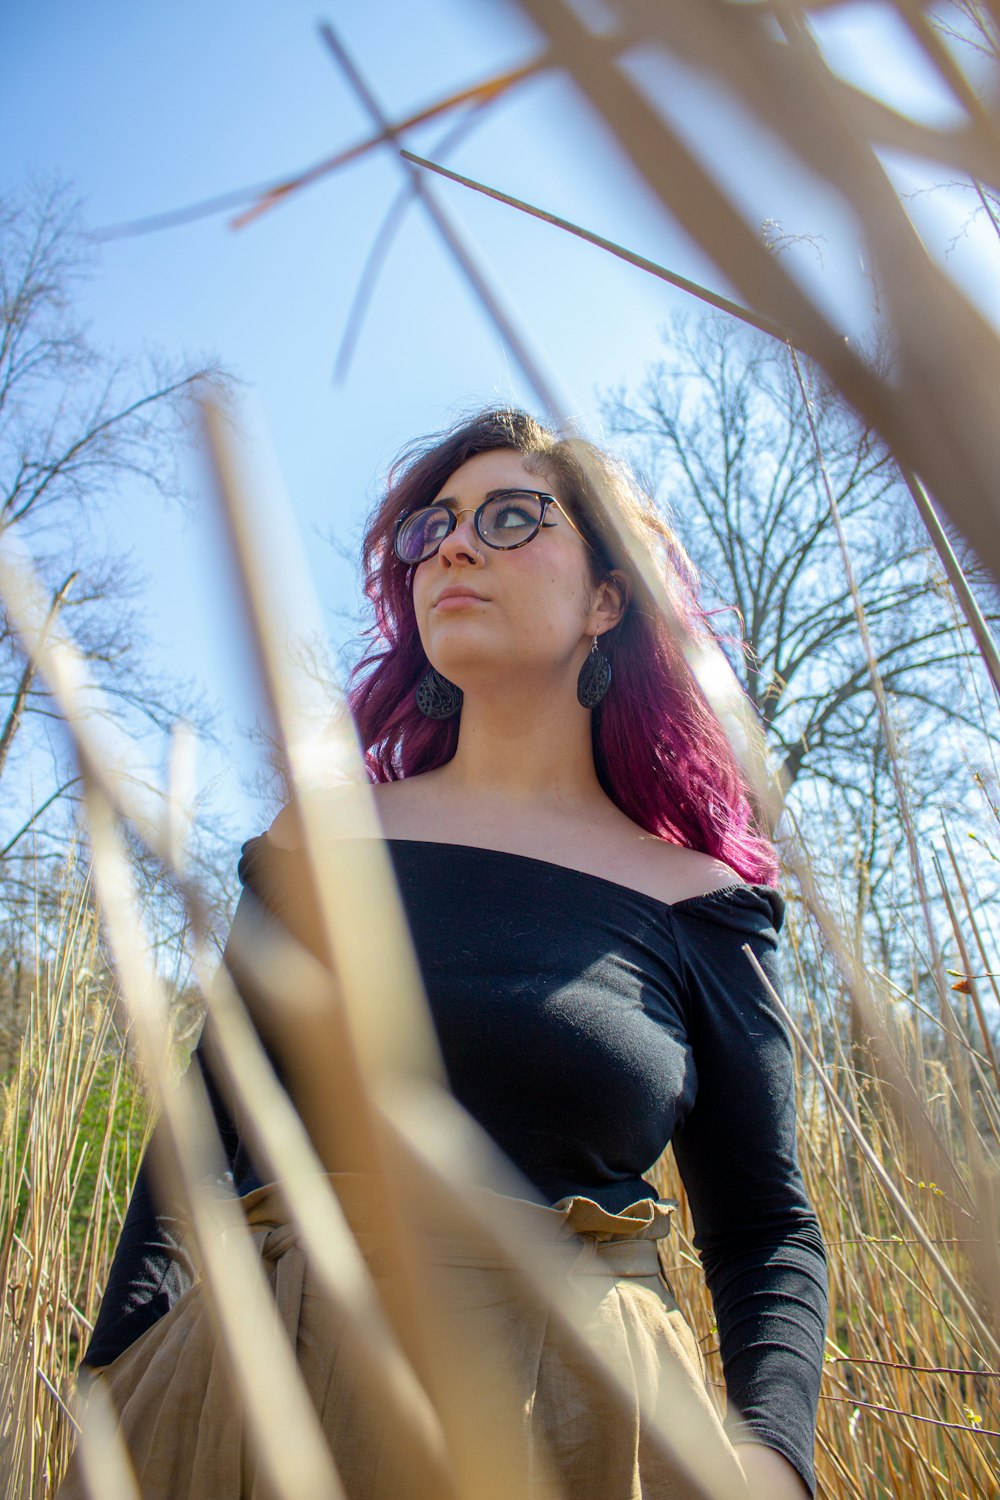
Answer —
660 752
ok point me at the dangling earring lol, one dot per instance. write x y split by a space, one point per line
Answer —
594 679
437 698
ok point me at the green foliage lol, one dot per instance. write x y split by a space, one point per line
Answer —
115 1113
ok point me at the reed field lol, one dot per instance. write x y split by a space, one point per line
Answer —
75 1122
910 1403
898 1062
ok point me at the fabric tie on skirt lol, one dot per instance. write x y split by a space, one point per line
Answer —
187 1437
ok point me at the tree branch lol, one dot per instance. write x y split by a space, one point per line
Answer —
38 813
15 716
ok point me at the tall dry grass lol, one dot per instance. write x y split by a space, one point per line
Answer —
894 1076
910 1403
73 1125
910 1398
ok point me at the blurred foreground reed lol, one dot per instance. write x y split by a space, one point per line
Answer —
911 1397
898 1092
74 1125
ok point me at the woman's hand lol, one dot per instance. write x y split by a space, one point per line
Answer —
769 1475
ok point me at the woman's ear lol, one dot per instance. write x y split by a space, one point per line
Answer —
611 599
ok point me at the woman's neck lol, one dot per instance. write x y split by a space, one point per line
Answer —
522 753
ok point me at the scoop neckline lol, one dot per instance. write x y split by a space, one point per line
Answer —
722 891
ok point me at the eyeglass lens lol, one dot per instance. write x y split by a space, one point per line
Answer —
507 520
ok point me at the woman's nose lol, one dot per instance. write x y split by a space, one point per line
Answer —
463 544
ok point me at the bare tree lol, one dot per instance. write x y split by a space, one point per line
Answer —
721 428
80 431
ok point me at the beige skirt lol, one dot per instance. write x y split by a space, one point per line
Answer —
574 1436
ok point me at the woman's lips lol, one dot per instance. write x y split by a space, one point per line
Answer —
451 601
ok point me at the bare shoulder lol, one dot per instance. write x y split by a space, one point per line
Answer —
286 830
348 808
387 809
672 873
703 872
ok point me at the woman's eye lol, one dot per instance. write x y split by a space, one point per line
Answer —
430 526
435 528
510 516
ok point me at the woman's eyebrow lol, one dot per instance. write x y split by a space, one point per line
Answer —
503 489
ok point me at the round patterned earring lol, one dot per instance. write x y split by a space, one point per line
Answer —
594 679
437 698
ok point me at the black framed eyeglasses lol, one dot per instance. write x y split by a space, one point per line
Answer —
505 520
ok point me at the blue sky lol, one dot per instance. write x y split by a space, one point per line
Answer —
146 108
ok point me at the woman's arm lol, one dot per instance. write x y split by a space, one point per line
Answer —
755 1229
769 1475
151 1269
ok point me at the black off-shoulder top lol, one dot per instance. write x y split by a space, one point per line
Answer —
585 1025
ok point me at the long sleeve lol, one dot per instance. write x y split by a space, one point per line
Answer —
151 1269
756 1232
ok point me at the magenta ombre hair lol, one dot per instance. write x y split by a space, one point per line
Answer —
659 750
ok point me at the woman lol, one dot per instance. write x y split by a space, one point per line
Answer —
577 858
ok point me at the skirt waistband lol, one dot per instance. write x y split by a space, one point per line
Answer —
605 1243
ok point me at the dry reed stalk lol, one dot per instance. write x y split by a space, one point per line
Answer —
955 573
719 685
903 1449
922 1423
914 1314
785 86
620 252
890 1422
449 231
284 1427
261 1362
862 1284
376 977
479 1451
106 1465
935 414
399 1061
52 1261
386 131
